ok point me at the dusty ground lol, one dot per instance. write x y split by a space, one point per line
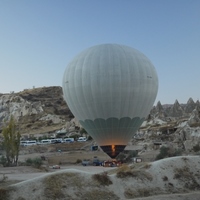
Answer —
173 178
66 159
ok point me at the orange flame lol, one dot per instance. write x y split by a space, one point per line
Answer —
113 148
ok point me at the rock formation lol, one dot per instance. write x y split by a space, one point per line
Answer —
36 110
43 110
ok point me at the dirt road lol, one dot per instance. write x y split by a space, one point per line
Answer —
23 173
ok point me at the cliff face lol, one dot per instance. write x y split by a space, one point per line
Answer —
36 110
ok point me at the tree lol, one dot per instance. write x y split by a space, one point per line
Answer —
11 142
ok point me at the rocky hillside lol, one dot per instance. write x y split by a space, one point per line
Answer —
43 110
176 126
38 110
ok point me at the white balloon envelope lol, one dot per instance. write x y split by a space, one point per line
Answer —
110 89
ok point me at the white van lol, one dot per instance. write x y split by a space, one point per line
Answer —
22 143
82 139
68 140
47 141
56 140
29 142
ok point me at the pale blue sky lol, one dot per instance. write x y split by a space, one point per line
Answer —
38 38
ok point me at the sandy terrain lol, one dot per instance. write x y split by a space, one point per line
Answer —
175 178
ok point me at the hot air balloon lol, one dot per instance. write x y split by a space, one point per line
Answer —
110 89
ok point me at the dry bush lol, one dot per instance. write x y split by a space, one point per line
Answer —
57 183
102 179
165 178
184 158
182 173
195 124
20 198
140 165
133 193
4 194
124 168
147 165
196 148
138 174
99 194
125 174
53 188
186 177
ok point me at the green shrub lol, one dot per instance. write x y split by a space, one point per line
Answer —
178 152
78 161
121 157
3 161
35 162
29 162
164 152
168 152
131 154
127 157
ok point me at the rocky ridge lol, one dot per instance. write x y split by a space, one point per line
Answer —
43 110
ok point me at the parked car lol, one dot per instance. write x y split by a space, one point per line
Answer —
56 140
96 162
86 162
56 167
82 139
111 163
